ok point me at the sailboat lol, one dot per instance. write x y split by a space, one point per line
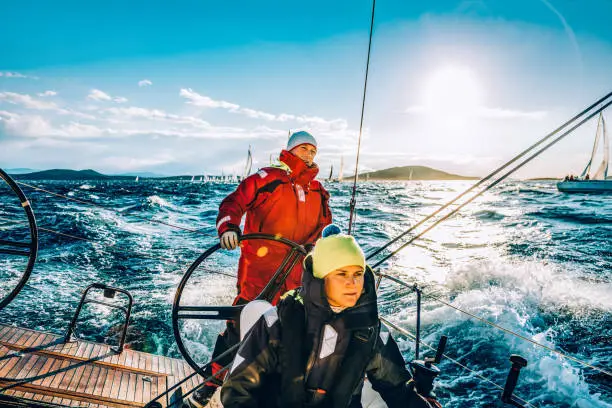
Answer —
136 179
596 182
341 171
248 165
192 179
331 172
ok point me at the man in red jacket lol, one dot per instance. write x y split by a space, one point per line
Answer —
283 200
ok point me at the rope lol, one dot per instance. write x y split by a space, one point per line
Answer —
493 184
407 333
498 327
491 175
90 203
365 87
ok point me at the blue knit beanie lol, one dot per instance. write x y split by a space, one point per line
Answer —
299 138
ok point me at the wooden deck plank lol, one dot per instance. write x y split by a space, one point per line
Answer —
7 332
21 362
46 368
116 384
147 395
108 382
90 385
101 378
79 373
130 394
35 368
123 386
168 369
56 365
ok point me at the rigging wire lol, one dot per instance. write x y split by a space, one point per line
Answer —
90 203
490 176
498 327
493 184
365 87
446 356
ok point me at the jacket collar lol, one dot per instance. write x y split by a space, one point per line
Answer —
300 173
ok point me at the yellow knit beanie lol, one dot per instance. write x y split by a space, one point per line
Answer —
334 252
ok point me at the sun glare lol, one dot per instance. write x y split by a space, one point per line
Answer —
452 90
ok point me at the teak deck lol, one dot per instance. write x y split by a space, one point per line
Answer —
129 379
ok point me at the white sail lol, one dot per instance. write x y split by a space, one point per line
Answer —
598 134
249 164
192 179
341 171
602 170
136 178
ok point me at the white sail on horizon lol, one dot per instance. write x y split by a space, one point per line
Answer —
602 171
249 164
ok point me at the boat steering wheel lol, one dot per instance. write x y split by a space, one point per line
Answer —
228 312
27 247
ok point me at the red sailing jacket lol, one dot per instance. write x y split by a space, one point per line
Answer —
286 201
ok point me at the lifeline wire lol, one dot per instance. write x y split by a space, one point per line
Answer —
365 87
498 327
407 333
490 176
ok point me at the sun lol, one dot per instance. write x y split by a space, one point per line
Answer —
453 90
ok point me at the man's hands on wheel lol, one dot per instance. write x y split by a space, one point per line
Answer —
229 240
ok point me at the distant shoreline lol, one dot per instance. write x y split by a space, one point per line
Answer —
405 173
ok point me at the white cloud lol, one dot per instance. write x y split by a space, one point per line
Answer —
144 82
47 93
134 112
26 101
196 99
98 95
314 122
36 126
16 75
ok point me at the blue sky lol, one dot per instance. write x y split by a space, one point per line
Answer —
186 87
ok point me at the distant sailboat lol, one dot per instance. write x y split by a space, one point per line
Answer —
410 175
136 179
341 171
596 183
249 164
192 179
331 172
